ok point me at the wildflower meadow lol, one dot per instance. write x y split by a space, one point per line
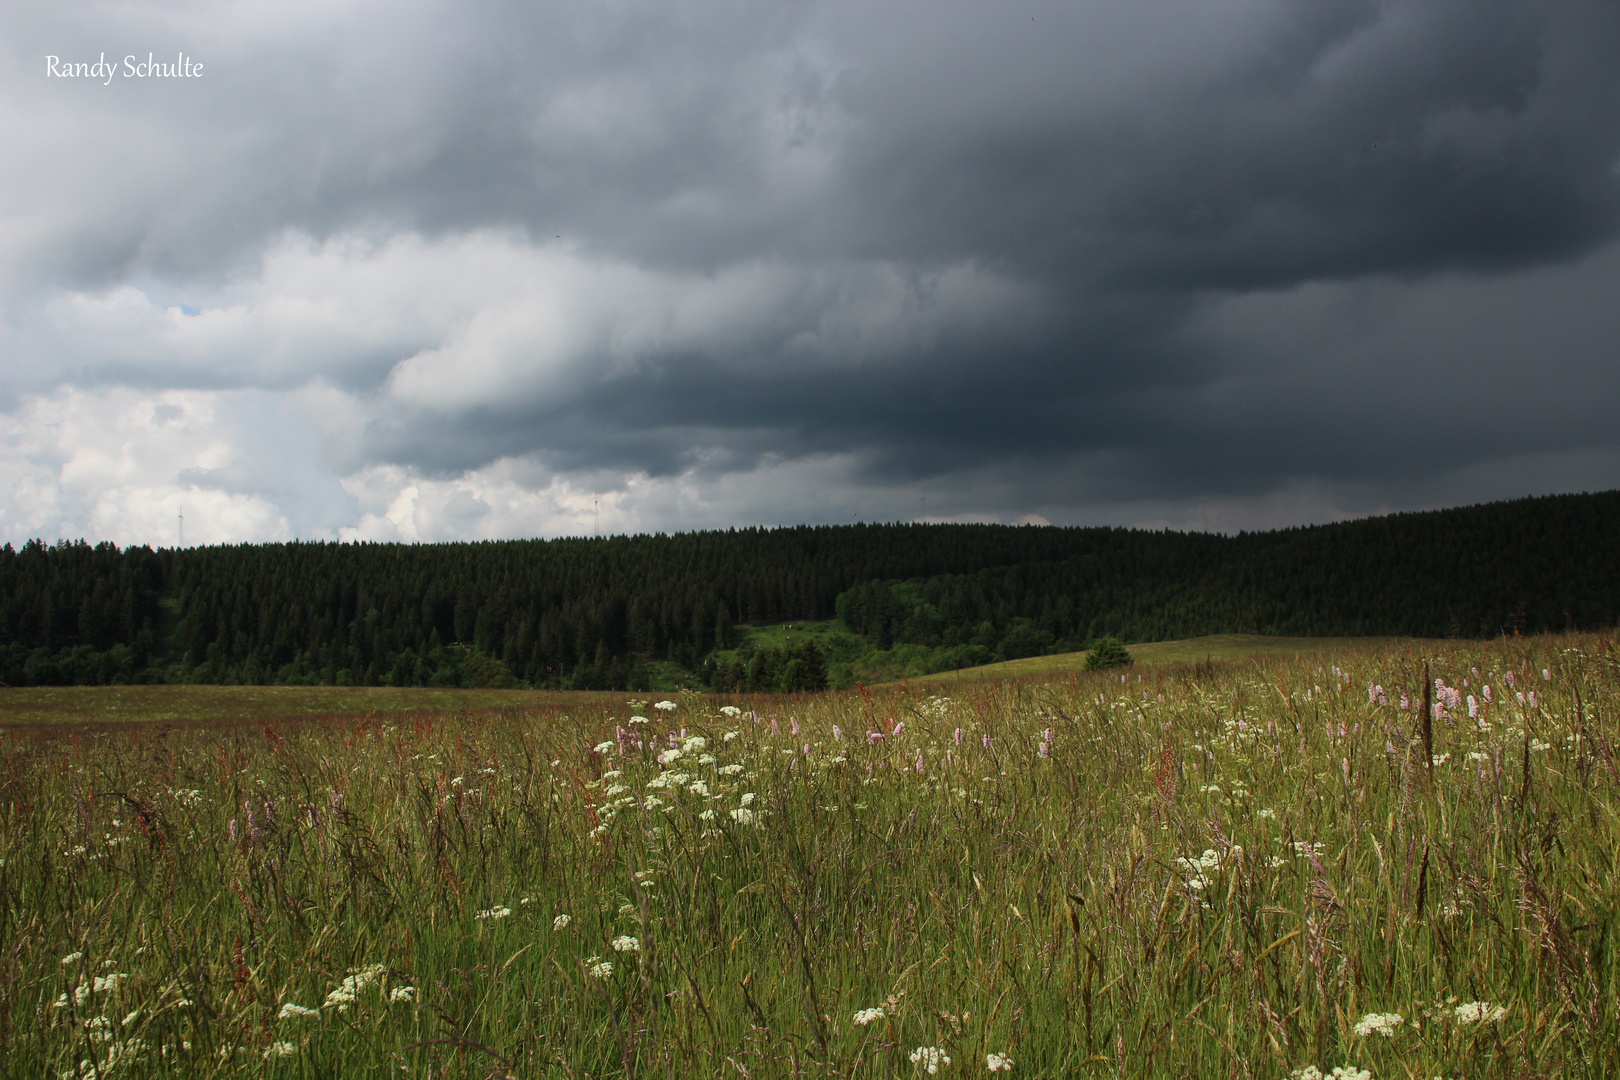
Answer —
1385 863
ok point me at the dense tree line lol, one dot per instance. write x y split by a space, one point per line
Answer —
1474 572
593 613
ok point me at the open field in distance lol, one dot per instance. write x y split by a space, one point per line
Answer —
179 704
1259 867
193 704
1189 651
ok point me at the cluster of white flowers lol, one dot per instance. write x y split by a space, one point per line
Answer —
494 913
81 994
599 968
187 796
694 744
863 1017
604 747
401 994
561 922
359 980
116 1053
1386 1024
290 1011
730 770
742 816
72 958
1480 1012
626 943
929 1059
665 706
1342 1072
730 710
998 1063
280 1050
1192 870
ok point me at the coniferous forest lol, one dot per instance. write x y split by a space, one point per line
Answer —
594 613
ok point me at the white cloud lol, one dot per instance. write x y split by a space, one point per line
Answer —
123 465
482 318
517 497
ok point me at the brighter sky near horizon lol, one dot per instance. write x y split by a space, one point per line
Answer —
414 271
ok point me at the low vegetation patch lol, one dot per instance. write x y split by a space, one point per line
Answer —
1397 863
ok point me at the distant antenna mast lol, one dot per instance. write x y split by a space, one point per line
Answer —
596 517
182 527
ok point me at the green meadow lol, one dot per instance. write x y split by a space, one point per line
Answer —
194 703
1190 651
1261 863
852 661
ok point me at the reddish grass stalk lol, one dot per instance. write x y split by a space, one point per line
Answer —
1428 727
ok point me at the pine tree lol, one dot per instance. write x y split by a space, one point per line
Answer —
1107 653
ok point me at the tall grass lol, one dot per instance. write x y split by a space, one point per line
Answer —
1239 870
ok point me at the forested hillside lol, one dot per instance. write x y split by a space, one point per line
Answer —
590 613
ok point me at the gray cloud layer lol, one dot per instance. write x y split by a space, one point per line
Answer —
1093 262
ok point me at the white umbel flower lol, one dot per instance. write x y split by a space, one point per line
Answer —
1386 1024
1480 1012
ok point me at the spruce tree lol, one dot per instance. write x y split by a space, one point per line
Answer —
1107 653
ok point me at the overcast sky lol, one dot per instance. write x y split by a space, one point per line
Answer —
407 271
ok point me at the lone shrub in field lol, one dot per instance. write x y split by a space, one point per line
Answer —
1107 653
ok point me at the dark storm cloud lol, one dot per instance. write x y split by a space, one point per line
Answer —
1210 249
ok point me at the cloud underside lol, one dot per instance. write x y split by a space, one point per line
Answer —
1203 266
